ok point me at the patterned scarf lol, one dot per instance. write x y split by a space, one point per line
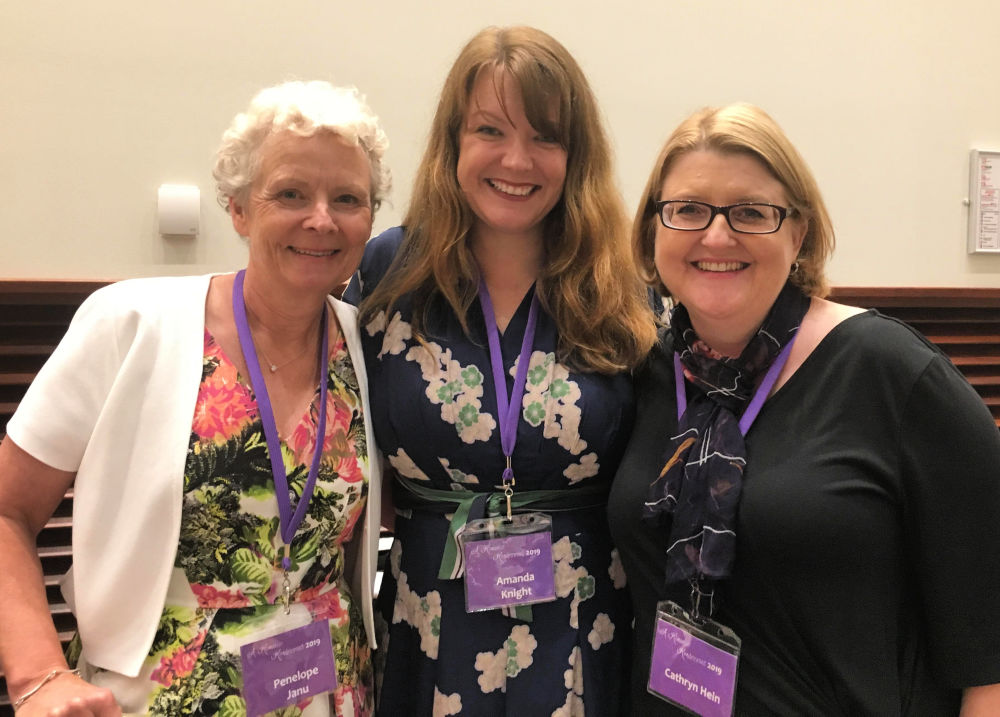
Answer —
699 484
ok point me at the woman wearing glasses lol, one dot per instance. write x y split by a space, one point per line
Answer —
809 498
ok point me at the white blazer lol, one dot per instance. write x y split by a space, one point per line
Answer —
114 403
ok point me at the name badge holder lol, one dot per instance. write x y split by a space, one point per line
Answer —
287 661
287 658
694 658
694 662
508 561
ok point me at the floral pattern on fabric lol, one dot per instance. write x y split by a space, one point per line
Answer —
573 680
227 575
435 417
507 662
552 399
457 389
420 611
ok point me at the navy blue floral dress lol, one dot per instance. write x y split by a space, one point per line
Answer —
435 417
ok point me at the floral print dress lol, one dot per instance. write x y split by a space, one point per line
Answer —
435 418
227 577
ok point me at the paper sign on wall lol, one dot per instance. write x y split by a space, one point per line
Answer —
984 202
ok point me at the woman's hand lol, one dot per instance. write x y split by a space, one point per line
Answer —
67 695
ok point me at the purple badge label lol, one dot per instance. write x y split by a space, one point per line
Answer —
516 570
288 668
692 673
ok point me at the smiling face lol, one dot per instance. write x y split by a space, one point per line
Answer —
511 174
726 280
307 214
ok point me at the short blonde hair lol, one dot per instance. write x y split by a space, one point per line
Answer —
742 129
588 283
303 108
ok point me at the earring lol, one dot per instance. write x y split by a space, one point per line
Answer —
795 268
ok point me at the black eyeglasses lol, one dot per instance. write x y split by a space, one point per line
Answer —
746 218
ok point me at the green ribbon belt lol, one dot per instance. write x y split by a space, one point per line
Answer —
413 494
473 505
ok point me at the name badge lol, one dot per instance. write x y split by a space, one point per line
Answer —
694 662
504 569
288 668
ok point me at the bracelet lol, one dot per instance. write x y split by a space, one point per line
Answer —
45 680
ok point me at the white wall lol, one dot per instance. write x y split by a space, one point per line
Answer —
103 101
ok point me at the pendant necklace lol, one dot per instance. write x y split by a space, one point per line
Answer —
271 365
275 366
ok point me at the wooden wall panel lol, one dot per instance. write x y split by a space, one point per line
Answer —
34 315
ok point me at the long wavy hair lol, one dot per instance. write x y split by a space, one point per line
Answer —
588 282
742 128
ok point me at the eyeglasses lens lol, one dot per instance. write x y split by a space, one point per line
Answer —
754 218
749 218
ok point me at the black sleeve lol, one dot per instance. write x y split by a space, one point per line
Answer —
950 454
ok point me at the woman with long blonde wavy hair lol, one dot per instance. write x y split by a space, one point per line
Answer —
511 284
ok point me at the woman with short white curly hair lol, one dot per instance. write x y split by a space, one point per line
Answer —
302 108
216 431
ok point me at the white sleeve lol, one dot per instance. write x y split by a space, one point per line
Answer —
55 419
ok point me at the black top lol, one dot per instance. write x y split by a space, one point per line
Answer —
867 574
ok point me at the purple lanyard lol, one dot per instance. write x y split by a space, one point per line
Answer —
289 523
756 403
508 410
